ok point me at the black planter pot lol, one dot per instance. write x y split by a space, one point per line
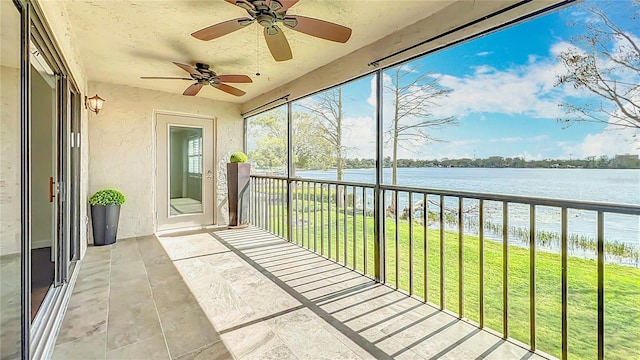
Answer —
104 220
238 180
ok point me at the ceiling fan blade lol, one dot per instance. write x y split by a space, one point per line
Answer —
193 90
165 77
188 68
221 29
318 28
235 78
278 44
241 3
230 89
286 4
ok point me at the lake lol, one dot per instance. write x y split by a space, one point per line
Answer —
620 186
607 185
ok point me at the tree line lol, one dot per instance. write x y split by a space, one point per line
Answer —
602 162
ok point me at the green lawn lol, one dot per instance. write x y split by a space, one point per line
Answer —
622 284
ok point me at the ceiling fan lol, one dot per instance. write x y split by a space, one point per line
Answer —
204 76
269 13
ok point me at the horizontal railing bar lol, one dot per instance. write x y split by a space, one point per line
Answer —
573 204
629 209
318 181
257 176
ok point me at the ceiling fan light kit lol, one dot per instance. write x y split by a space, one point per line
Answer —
268 13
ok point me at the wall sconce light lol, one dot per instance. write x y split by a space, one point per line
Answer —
93 103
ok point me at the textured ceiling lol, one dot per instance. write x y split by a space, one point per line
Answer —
120 41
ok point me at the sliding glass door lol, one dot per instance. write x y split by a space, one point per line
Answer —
44 179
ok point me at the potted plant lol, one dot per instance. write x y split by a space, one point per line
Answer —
105 211
238 180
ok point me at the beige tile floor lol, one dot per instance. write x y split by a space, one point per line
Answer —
246 294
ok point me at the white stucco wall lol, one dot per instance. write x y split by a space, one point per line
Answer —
10 160
121 147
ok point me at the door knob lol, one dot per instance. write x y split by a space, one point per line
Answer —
209 175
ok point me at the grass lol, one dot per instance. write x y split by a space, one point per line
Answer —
622 284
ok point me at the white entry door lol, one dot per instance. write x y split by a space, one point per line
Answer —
185 173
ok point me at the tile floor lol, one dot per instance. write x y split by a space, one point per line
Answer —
246 294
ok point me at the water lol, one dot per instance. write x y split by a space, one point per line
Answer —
620 186
604 185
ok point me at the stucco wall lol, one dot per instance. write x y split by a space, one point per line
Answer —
122 154
10 160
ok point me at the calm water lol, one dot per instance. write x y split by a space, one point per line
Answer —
608 185
601 185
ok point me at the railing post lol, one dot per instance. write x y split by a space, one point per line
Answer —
532 276
378 212
565 286
397 238
481 260
460 258
505 269
600 230
411 243
442 254
289 169
425 244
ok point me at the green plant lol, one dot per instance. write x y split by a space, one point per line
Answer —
238 157
107 197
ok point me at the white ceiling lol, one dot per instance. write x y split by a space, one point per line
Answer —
120 41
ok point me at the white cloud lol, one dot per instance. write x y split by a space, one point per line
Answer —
538 138
520 90
483 69
359 135
409 69
528 156
511 139
464 142
506 140
614 139
484 53
611 141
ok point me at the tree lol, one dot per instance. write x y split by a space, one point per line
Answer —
270 149
311 150
414 98
309 147
605 61
327 107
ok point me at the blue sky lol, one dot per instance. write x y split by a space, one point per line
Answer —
503 95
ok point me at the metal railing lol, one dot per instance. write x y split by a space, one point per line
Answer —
450 248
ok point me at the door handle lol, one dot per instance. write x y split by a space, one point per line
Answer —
51 194
209 175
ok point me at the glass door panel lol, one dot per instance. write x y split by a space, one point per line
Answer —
44 242
185 169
